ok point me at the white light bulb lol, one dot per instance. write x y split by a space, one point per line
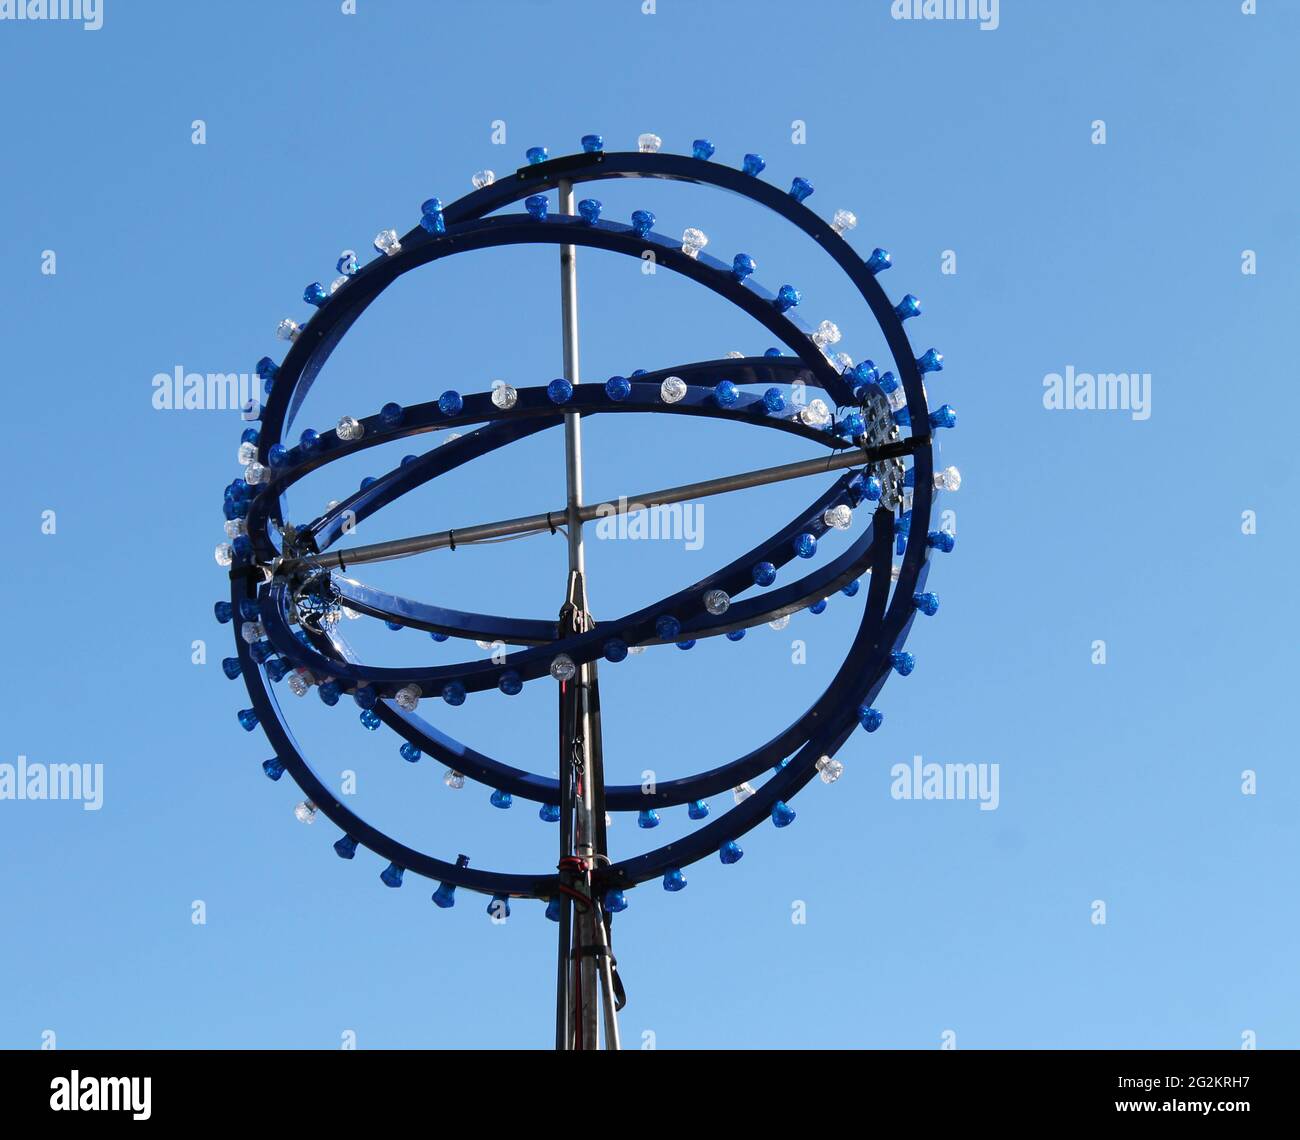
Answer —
717 602
305 812
693 241
829 769
949 479
843 221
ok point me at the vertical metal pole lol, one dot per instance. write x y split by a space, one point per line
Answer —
584 925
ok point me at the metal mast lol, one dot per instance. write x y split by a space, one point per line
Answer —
584 971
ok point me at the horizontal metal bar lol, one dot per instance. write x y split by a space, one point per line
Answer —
625 504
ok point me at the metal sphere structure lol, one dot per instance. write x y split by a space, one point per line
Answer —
288 583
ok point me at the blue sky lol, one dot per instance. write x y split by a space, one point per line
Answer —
1119 782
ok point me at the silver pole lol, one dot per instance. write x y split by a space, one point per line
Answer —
572 421
584 846
625 504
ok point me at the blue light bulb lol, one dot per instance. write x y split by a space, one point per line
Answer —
329 692
231 667
560 391
274 768
742 265
800 189
365 696
927 603
872 488
345 848
773 401
553 910
870 719
851 426
502 800
865 372
851 589
593 144
248 719
735 635
309 441
589 210
667 627
931 361
391 876
278 456
242 547
394 625
450 403
537 205
643 221
703 149
805 545
698 809
618 388
730 852
764 574
943 417
535 155
725 394
277 670
689 643
409 752
438 635
223 612
647 818
370 719
347 263
782 814
431 219
499 907
818 607
787 297
445 896
615 650
267 368
549 813
674 880
902 662
315 294
941 540
261 651
453 692
879 261
754 165
390 415
908 307
614 902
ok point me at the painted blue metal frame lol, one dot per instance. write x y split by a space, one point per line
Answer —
886 620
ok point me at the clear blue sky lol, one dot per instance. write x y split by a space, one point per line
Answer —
1119 783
